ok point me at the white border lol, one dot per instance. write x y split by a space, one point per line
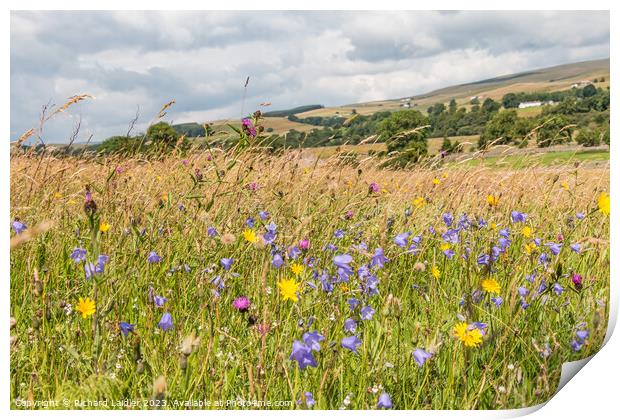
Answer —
593 392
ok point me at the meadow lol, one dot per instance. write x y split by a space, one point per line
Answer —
234 275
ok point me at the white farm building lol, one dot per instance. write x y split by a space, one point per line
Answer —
529 104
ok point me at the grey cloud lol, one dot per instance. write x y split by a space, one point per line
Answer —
200 59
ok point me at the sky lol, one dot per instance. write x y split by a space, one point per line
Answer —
138 61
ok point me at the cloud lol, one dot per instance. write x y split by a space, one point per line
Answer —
201 59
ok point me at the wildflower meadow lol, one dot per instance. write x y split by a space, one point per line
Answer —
280 281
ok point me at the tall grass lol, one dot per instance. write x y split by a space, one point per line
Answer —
167 204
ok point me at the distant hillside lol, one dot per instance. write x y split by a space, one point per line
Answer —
546 79
555 78
292 111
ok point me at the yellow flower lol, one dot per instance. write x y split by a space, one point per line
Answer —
460 329
289 289
445 247
529 248
57 195
435 271
86 307
604 203
418 202
436 181
344 288
526 231
469 337
565 185
492 200
491 285
297 269
104 227
250 236
493 226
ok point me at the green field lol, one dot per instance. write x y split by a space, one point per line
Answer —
240 276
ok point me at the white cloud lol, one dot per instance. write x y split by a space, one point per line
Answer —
201 59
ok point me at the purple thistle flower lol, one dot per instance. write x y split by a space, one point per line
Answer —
248 127
367 312
153 258
78 254
384 401
373 187
302 354
351 343
126 328
304 244
350 325
421 356
19 227
577 280
227 263
313 339
242 303
166 322
252 186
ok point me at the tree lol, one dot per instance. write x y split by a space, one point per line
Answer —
162 133
589 90
589 137
119 144
489 106
554 130
510 100
503 128
436 109
404 132
452 106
